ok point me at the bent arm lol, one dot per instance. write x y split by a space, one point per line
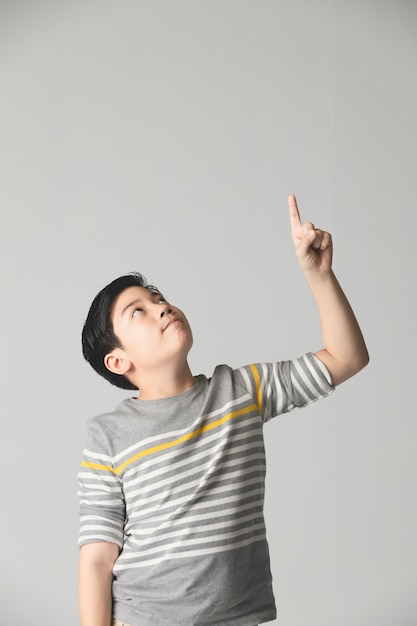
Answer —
95 582
344 353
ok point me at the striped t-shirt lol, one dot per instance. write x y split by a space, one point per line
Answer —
178 484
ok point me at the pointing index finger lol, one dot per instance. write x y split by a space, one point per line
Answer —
294 213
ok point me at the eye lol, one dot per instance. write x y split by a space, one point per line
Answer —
161 300
136 311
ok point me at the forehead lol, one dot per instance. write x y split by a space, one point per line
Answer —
129 295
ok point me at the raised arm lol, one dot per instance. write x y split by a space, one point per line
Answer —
344 353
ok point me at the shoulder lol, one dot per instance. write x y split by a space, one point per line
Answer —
225 375
107 419
101 428
229 379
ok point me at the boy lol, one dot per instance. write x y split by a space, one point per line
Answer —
172 482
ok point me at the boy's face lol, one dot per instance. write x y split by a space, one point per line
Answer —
153 333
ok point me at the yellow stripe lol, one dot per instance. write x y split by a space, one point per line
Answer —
170 444
97 466
258 387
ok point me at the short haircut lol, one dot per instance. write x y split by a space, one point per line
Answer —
98 337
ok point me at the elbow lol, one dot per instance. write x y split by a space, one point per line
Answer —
364 359
343 368
357 364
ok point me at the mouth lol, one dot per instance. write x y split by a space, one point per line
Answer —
171 322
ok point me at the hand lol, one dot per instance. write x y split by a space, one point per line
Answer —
313 247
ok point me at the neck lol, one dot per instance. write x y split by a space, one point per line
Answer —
166 385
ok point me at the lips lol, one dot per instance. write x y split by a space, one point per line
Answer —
172 321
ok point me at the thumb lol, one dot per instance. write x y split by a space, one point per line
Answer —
306 240
304 245
306 255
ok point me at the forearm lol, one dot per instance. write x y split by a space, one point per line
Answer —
344 352
95 591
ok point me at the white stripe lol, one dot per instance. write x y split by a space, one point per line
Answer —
96 489
298 387
190 542
102 528
190 553
98 518
323 369
209 504
281 394
247 380
197 529
163 502
202 517
93 493
93 538
306 380
195 483
218 434
192 459
115 502
223 489
268 393
98 456
264 378
168 523
135 474
143 444
108 478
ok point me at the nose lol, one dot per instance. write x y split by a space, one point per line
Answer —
166 308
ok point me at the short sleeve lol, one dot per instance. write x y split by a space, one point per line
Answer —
102 505
277 388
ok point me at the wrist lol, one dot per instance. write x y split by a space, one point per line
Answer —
317 277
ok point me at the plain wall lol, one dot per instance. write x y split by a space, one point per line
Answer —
164 136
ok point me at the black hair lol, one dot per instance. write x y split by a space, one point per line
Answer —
98 337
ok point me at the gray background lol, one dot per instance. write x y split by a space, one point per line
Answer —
165 136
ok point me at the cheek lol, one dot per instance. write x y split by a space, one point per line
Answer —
183 317
142 338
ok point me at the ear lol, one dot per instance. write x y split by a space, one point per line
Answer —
117 362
